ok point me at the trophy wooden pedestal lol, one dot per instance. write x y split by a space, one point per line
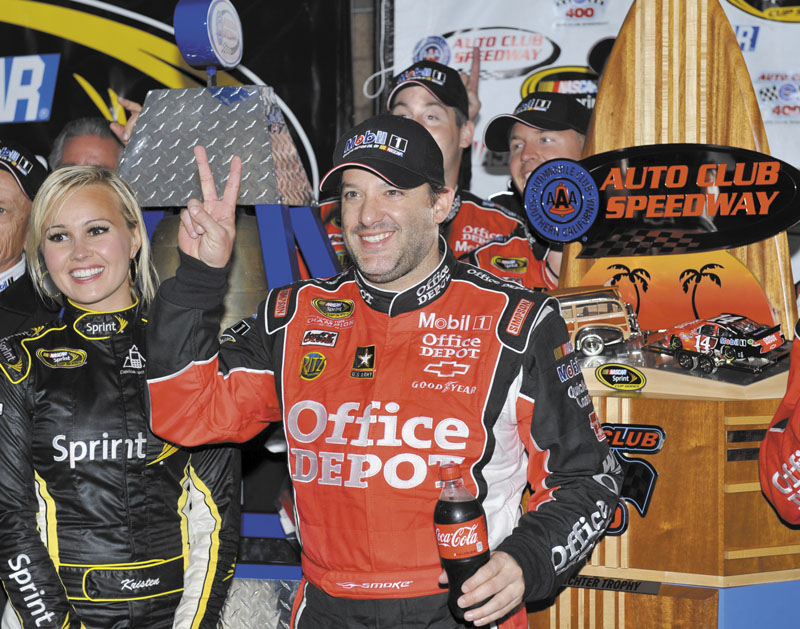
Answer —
709 538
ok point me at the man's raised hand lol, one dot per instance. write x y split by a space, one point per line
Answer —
208 227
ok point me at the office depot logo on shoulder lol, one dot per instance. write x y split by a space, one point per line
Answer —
663 199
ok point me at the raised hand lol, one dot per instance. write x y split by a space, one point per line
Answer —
471 83
124 133
208 227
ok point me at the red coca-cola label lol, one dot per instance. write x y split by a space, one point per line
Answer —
465 539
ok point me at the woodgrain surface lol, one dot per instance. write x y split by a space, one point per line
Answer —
676 74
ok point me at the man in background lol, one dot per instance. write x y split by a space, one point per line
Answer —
86 142
543 126
21 175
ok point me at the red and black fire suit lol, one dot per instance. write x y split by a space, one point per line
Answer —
779 456
98 515
375 390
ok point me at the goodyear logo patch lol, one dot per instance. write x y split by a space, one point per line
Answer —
313 365
334 308
512 265
62 358
620 377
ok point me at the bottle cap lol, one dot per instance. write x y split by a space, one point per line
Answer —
449 471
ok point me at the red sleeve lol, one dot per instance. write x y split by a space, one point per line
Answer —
779 459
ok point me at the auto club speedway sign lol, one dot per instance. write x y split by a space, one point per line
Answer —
662 199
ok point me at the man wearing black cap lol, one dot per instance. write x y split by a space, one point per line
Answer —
544 126
435 96
21 174
407 360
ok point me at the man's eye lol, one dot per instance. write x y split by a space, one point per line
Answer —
349 195
3 210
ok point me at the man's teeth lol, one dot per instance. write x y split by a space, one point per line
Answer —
82 274
377 237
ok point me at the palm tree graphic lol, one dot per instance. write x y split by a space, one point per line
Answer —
689 276
634 276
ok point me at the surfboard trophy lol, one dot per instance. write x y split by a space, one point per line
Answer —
693 536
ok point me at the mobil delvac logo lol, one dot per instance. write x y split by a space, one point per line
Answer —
27 85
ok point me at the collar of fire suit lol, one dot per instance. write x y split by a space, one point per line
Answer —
428 290
99 325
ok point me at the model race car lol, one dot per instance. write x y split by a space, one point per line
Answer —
726 339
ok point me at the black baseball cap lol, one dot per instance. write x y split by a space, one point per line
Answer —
440 80
398 150
543 110
29 172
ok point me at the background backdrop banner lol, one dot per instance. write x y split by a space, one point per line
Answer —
561 45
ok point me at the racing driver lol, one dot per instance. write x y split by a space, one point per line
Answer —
422 360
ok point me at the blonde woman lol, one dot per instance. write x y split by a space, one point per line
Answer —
104 525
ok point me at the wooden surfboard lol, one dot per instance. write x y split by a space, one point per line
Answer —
676 74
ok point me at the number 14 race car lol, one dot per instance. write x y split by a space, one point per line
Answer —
728 339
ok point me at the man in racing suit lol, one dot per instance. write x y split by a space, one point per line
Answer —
435 96
379 375
98 515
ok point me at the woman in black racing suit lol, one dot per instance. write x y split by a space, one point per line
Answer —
103 524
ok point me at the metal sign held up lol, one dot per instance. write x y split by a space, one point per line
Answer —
232 120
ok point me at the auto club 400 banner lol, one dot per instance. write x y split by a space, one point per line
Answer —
66 59
561 45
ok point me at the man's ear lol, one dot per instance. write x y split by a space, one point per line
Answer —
442 205
466 133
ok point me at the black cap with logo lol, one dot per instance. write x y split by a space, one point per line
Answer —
440 80
23 166
543 110
395 149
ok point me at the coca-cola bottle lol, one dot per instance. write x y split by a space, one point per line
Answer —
460 534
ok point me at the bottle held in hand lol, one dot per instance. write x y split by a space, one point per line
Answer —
461 534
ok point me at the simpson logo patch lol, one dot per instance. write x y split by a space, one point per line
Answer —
313 365
62 358
282 302
518 318
334 308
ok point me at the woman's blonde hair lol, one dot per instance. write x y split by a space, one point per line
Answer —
59 186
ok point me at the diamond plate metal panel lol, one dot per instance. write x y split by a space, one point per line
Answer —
240 120
258 604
